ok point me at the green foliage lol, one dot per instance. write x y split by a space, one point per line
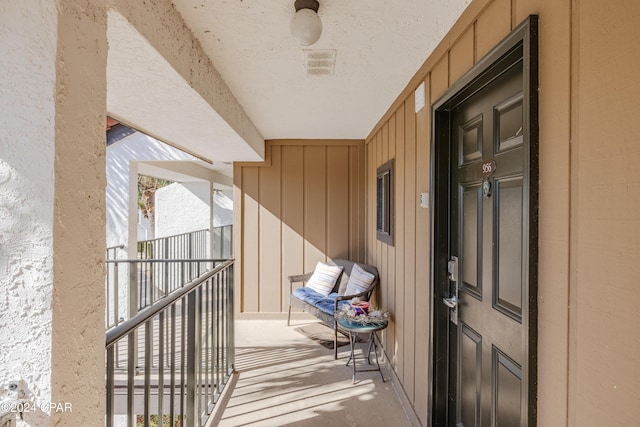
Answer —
147 187
153 421
145 250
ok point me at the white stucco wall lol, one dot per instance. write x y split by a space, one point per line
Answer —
184 207
223 208
28 42
52 98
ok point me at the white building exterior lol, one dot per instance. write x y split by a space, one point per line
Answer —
185 207
123 159
180 208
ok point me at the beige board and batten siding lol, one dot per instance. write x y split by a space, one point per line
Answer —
303 204
604 352
404 269
589 220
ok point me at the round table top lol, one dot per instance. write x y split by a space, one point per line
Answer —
355 326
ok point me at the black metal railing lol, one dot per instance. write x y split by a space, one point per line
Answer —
133 284
112 252
196 244
171 361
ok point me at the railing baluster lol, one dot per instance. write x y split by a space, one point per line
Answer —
231 320
183 358
172 397
223 290
146 274
131 372
166 269
151 275
134 302
110 386
116 303
200 384
107 285
167 343
207 344
116 287
219 334
192 335
228 306
214 343
148 342
223 308
133 288
160 368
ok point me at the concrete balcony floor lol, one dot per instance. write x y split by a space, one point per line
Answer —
286 379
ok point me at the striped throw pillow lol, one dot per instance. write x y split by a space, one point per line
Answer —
359 280
324 278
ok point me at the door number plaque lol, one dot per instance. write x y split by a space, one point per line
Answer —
488 167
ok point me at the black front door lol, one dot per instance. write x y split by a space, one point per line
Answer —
485 294
487 238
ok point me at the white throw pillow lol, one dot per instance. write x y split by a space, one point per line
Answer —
324 278
359 280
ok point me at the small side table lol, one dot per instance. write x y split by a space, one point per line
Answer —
354 328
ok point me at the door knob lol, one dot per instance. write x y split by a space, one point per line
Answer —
450 302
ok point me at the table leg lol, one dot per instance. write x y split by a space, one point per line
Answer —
375 349
370 342
351 350
352 338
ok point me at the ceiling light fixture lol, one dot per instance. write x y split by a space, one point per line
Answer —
306 26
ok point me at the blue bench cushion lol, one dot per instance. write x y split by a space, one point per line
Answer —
324 303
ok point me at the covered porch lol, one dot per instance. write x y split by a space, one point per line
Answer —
283 378
305 153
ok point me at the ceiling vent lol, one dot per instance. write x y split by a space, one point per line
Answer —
320 62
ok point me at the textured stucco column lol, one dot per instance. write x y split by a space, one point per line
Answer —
52 183
79 212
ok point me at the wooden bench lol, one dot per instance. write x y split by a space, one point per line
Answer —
324 308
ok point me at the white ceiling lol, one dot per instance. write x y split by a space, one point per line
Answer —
146 93
379 45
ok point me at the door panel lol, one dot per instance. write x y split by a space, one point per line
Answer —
470 378
470 140
509 124
508 224
507 386
471 237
